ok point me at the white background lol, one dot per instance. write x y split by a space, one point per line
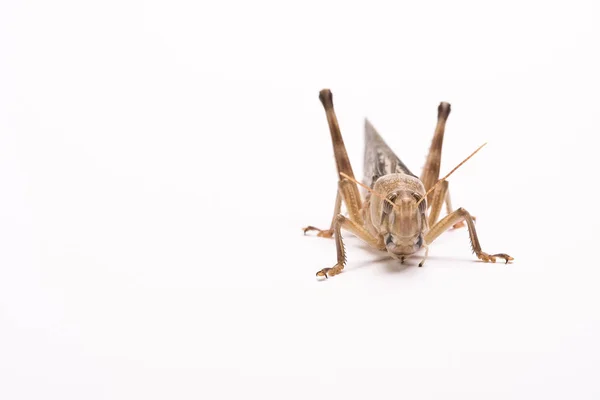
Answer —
158 159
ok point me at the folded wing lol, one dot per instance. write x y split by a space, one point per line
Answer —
379 158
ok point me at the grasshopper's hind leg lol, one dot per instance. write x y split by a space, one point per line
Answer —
431 170
449 210
351 225
347 192
441 195
463 215
351 197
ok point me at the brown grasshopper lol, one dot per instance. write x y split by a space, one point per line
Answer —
399 208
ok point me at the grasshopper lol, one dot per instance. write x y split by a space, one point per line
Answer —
399 208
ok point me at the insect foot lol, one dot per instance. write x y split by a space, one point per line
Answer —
321 233
487 258
327 272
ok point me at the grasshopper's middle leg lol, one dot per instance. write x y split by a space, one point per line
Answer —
463 215
336 210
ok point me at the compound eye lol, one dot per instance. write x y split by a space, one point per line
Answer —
422 202
387 205
423 206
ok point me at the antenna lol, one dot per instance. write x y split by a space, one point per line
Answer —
451 172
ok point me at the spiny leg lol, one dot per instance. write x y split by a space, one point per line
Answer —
351 226
431 170
463 215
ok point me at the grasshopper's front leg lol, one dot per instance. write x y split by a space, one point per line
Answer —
463 215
